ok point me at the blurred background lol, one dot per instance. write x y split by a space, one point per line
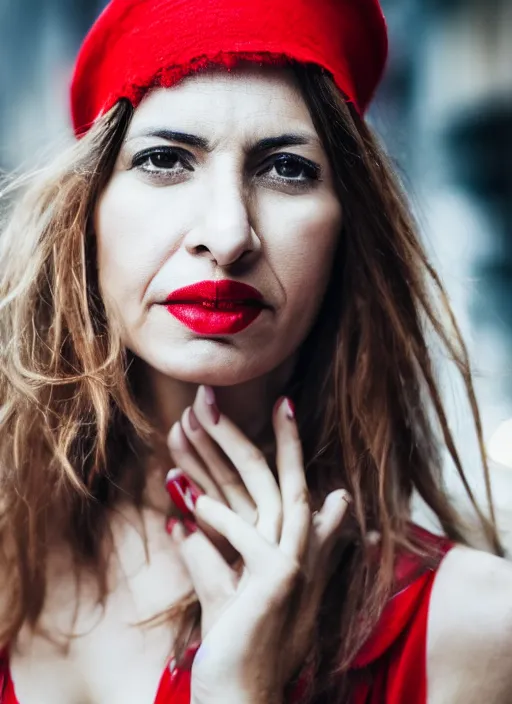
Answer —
445 115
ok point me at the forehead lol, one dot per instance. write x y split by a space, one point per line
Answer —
249 99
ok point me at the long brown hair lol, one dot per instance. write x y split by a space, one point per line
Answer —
370 410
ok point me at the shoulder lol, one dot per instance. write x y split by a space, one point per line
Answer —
470 629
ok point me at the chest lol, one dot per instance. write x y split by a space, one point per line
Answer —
112 657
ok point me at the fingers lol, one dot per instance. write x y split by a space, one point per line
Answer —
220 469
209 447
214 581
249 462
331 518
292 482
187 459
327 544
261 557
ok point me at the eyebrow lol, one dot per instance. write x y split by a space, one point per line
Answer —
262 145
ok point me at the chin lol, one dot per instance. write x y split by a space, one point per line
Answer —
218 367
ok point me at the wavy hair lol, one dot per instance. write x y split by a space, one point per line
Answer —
368 404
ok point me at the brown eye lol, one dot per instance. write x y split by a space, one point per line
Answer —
161 160
293 168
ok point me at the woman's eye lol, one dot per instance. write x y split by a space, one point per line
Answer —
290 167
161 161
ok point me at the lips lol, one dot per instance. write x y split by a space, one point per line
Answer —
216 307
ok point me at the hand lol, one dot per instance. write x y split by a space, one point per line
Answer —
258 623
208 470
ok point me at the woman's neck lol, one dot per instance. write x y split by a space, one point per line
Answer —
249 405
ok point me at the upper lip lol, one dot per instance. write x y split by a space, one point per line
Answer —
212 291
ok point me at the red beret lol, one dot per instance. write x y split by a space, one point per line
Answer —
138 44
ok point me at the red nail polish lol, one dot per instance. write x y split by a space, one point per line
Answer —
192 419
183 492
278 404
211 404
290 410
169 527
287 405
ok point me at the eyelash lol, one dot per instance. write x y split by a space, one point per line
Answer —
142 159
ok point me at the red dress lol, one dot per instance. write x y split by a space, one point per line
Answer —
391 668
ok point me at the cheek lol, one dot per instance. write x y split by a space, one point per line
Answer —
302 252
132 241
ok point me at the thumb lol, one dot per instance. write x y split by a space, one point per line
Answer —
213 579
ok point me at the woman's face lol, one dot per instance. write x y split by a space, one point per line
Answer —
220 179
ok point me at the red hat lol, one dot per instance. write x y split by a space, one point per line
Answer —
139 44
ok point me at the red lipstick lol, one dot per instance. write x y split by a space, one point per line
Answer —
216 307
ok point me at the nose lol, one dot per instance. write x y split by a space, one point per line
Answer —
224 232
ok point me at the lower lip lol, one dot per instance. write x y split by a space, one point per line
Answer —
214 321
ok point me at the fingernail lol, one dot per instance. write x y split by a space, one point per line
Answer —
211 404
346 497
192 419
169 526
287 405
339 495
183 491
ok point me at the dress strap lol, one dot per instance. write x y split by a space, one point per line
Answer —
175 684
4 674
391 668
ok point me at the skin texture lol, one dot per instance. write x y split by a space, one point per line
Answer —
224 218
234 215
230 214
248 614
470 630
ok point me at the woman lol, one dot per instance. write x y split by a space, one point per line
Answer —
223 271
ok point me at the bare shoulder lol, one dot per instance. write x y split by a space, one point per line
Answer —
469 645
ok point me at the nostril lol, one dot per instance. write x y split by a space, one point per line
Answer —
200 249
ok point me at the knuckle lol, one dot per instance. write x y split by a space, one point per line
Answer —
301 501
251 515
254 455
228 480
287 580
